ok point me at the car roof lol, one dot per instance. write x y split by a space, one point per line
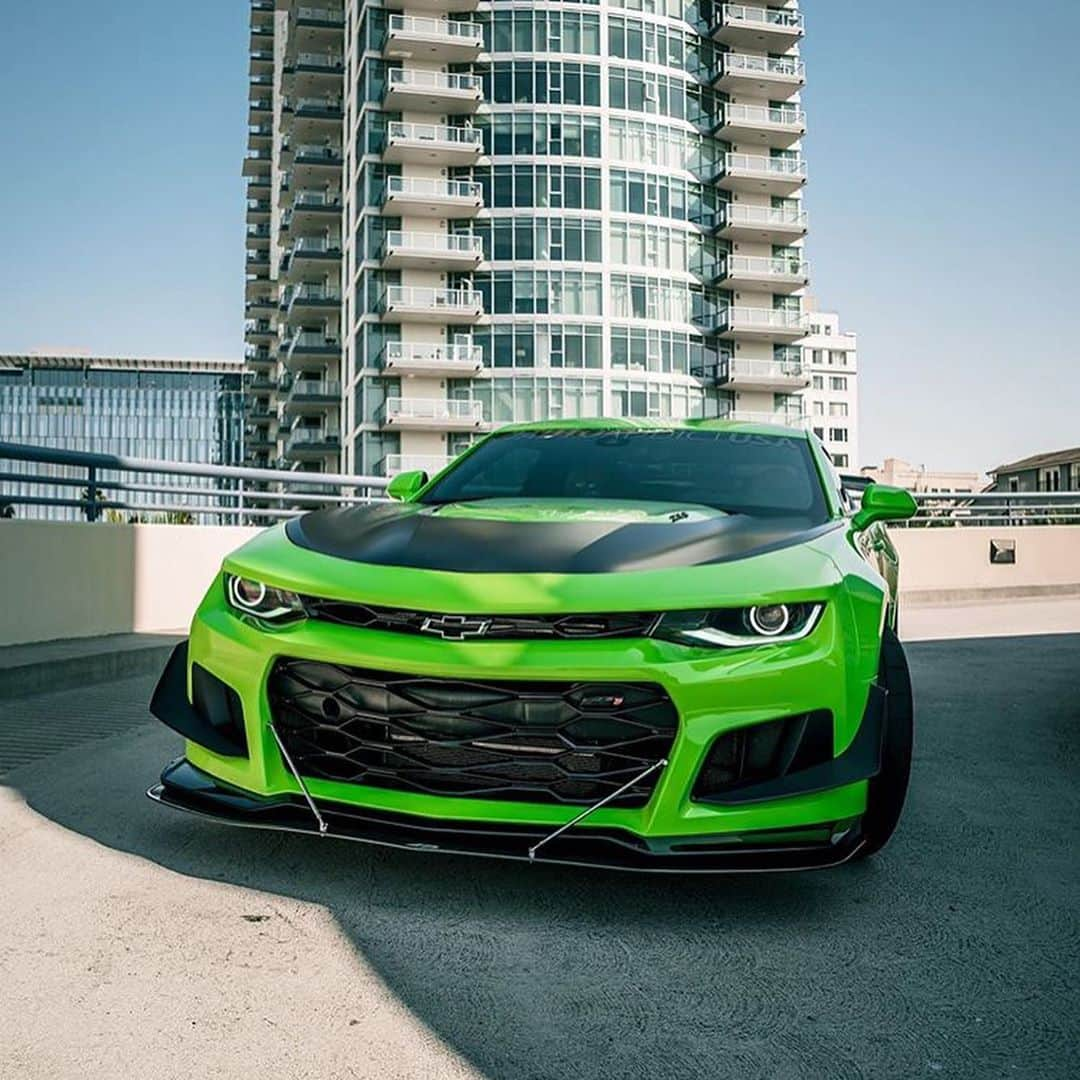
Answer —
633 424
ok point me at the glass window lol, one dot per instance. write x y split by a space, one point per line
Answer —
761 476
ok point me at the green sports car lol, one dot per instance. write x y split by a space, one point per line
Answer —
652 646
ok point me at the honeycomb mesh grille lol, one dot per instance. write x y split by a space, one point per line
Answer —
552 742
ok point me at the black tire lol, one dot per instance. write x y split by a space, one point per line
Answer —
885 799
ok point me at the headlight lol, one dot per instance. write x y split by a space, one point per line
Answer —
263 602
729 628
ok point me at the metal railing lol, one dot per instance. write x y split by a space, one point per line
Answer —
427 187
402 354
784 419
316 104
440 243
322 61
765 115
781 67
313 388
765 166
785 217
738 368
948 509
463 300
469 33
437 410
314 197
763 319
316 14
763 16
102 487
765 266
408 79
435 133
308 152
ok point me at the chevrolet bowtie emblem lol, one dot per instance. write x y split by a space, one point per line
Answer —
455 627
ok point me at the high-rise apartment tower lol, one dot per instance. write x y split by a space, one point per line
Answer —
566 210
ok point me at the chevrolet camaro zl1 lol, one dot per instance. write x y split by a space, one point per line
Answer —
649 646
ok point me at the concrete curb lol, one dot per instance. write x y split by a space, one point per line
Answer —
64 665
935 597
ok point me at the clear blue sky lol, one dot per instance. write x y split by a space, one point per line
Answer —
942 195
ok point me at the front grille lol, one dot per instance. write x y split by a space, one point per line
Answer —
551 742
498 627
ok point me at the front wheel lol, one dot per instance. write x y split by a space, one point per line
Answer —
887 790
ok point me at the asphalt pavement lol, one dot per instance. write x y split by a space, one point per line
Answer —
139 941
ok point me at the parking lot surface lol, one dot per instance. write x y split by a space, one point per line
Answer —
138 941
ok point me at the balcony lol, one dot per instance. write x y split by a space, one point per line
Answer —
310 254
756 173
258 236
749 27
261 305
431 251
311 205
261 384
260 60
736 373
256 163
439 7
309 299
260 109
780 418
393 464
440 40
431 414
311 397
780 125
306 346
778 274
316 18
258 356
312 443
313 117
325 64
260 135
765 224
770 76
762 324
442 361
432 144
431 91
417 196
315 156
259 330
449 307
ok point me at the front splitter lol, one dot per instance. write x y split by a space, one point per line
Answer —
185 787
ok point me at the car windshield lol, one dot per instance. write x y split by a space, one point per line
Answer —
741 473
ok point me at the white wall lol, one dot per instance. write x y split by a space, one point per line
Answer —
939 565
61 579
76 579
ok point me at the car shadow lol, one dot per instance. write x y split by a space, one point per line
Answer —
540 973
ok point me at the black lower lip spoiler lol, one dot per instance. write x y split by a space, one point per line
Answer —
185 787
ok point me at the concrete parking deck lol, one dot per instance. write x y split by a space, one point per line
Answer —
138 941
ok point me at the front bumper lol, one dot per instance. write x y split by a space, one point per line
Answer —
801 820
185 787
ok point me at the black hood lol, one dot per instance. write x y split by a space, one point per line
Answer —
486 538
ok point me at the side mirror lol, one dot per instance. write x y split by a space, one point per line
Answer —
883 503
406 484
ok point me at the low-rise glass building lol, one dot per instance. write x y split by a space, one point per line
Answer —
170 410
